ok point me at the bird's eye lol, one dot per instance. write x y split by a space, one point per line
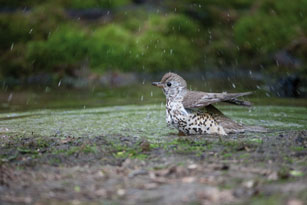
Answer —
169 84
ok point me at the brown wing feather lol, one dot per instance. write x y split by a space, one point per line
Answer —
196 99
228 124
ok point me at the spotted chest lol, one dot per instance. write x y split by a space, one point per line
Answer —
191 122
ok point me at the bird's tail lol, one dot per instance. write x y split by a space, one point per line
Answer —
239 102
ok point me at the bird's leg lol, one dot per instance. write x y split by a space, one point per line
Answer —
181 133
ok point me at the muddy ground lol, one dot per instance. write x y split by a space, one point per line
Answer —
127 155
184 170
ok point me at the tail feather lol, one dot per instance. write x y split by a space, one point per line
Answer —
239 102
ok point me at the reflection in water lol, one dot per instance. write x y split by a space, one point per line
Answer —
136 94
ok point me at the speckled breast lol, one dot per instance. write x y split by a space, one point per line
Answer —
191 122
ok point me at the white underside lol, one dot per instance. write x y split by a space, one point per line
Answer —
184 120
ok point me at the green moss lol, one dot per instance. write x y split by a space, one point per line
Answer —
89 149
4 158
134 151
256 140
298 148
244 156
72 151
227 155
186 146
55 161
143 121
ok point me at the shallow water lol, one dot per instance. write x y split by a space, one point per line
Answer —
141 121
136 111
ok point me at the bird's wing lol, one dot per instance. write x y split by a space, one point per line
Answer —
196 99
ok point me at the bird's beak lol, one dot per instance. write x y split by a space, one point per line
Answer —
158 84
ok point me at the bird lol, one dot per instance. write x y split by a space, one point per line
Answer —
193 112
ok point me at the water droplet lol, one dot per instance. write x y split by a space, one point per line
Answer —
30 31
47 89
277 63
12 46
142 98
210 35
233 85
9 99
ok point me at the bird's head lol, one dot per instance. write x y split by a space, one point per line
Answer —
171 84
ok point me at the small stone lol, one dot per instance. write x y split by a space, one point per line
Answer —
295 202
145 146
249 184
121 192
273 176
137 172
188 179
150 186
192 166
101 192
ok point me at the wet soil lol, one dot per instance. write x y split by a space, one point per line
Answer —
44 165
194 169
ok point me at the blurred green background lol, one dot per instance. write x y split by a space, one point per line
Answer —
59 42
